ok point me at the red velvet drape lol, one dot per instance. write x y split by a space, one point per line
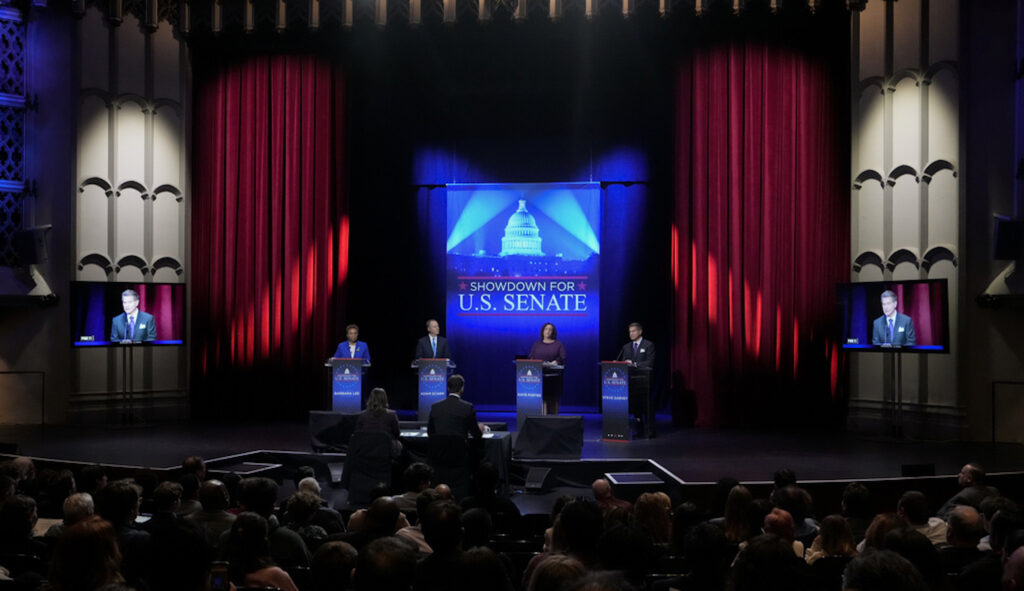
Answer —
269 232
761 231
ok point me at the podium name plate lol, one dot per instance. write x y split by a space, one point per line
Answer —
615 401
433 379
529 389
347 384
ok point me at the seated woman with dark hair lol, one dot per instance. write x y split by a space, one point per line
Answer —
86 557
377 418
248 553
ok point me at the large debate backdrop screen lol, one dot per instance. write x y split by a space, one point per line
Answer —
517 256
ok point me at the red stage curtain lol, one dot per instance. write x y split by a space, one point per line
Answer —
761 231
269 232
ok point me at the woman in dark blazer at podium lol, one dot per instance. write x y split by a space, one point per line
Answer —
378 418
551 351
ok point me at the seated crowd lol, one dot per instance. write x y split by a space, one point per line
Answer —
201 530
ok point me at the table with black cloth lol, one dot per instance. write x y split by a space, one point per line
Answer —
497 449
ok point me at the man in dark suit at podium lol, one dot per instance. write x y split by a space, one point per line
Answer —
134 325
640 353
433 345
453 415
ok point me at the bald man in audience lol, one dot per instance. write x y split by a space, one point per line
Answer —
1013 571
605 498
963 532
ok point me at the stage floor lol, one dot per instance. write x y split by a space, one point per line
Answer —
692 455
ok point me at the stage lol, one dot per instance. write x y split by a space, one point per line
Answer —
686 459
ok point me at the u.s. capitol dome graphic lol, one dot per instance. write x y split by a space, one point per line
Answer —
522 237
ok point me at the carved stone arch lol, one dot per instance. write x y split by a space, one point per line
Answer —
95 258
902 170
936 68
132 260
935 167
911 73
168 263
133 184
178 196
868 258
876 81
170 103
903 255
104 95
140 100
97 182
868 175
941 252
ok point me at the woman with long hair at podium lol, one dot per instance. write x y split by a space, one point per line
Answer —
551 351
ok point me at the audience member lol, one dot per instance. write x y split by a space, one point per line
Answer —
797 502
302 508
477 526
720 495
181 552
605 497
325 517
442 530
386 564
18 517
118 503
414 533
416 478
882 570
881 525
258 495
913 507
919 550
973 489
963 533
86 557
480 568
628 549
504 513
685 517
91 479
767 563
332 566
381 519
8 487
55 486
190 502
987 571
166 502
653 513
780 523
194 465
601 581
213 518
555 572
989 507
856 505
737 522
249 555
1013 571
76 508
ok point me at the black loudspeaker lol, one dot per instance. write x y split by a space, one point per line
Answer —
538 479
543 437
1009 240
912 470
331 431
30 246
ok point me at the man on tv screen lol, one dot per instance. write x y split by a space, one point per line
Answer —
134 325
893 329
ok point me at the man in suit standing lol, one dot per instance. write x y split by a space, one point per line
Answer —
433 345
134 325
639 352
453 415
893 329
353 348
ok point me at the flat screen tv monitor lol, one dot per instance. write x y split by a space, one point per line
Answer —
916 320
95 305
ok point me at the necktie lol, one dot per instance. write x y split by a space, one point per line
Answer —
892 324
131 326
433 345
636 347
